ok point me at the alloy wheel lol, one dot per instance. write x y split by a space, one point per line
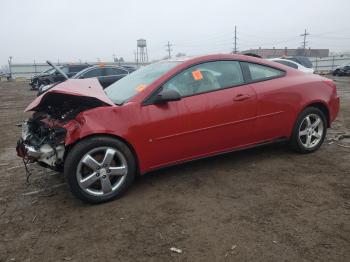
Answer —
311 131
101 171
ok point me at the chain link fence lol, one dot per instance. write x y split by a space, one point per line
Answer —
328 64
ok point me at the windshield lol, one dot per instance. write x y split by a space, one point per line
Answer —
65 69
52 70
48 71
304 61
136 82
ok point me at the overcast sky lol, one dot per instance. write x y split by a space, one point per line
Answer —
73 30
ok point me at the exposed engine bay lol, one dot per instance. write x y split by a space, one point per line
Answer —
43 135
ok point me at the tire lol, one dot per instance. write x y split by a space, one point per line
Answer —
112 161
300 140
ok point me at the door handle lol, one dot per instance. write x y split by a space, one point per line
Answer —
241 97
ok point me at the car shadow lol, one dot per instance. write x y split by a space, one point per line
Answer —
222 162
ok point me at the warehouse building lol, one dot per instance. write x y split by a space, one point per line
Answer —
275 52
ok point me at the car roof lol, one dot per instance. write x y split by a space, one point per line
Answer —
99 66
103 66
72 65
188 61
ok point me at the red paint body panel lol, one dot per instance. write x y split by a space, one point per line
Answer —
204 124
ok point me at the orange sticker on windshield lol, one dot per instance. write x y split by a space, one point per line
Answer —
197 75
141 87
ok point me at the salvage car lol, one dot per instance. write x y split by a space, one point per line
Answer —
34 80
343 70
171 112
293 64
51 76
303 60
106 75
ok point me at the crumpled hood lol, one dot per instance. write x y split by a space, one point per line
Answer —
74 87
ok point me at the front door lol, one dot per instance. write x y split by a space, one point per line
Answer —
217 113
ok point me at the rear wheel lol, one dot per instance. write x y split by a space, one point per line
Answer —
99 169
309 131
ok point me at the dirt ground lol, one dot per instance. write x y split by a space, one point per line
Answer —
264 204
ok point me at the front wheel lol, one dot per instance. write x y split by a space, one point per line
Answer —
99 169
309 131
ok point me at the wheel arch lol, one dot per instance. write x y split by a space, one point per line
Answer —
317 104
132 149
321 106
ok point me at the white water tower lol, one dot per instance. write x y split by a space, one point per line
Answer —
141 54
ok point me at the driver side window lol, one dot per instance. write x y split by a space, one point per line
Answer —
206 77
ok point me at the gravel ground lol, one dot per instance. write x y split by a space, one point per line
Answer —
264 204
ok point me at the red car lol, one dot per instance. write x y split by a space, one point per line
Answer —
172 112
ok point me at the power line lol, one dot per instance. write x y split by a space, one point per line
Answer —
346 29
331 37
169 49
304 42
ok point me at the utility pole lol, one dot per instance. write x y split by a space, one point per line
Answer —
169 49
135 56
10 66
304 42
235 43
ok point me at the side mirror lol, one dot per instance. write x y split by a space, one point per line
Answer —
167 95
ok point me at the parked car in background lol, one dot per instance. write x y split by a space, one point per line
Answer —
34 80
5 75
171 112
51 75
343 70
293 64
106 75
303 60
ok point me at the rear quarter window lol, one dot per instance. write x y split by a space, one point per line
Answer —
260 72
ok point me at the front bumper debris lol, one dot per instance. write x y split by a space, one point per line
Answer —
46 153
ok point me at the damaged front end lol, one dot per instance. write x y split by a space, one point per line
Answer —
42 140
44 134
